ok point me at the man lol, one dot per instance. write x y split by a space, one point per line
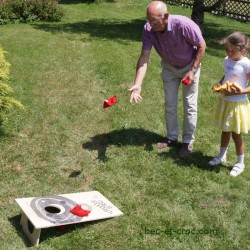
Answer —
179 43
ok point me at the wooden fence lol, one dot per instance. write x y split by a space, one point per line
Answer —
237 9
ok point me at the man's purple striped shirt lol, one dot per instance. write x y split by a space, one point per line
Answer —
177 45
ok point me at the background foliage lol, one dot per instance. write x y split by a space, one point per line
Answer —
7 103
29 11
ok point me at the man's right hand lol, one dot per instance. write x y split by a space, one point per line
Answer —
135 94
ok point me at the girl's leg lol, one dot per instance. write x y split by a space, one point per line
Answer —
239 145
225 139
222 156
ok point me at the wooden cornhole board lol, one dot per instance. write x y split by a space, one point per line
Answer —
53 210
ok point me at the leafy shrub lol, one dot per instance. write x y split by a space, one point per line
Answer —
24 11
7 103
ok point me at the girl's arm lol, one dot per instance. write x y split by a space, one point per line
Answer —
221 80
241 91
246 90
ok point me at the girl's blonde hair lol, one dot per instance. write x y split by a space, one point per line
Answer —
239 40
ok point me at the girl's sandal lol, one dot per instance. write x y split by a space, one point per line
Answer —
237 169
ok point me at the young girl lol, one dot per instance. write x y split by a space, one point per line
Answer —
232 110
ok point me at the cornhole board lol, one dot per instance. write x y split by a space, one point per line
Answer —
53 210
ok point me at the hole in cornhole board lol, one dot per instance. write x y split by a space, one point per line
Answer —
53 209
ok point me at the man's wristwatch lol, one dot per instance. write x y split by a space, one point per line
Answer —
194 70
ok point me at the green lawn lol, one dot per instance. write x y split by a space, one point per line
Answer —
65 142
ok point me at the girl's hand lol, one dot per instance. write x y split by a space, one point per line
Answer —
232 91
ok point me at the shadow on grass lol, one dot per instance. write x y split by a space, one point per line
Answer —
118 29
15 222
51 232
197 159
82 1
123 137
141 137
2 132
74 174
213 33
114 29
76 1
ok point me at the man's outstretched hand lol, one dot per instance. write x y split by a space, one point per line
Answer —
135 94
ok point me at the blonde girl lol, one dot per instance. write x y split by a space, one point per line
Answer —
232 109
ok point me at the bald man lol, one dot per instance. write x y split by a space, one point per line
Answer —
179 43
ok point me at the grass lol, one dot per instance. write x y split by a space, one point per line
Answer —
65 142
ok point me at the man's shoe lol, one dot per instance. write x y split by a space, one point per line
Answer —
168 144
186 150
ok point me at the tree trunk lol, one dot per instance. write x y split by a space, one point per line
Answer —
199 9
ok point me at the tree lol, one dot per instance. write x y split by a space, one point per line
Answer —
199 9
